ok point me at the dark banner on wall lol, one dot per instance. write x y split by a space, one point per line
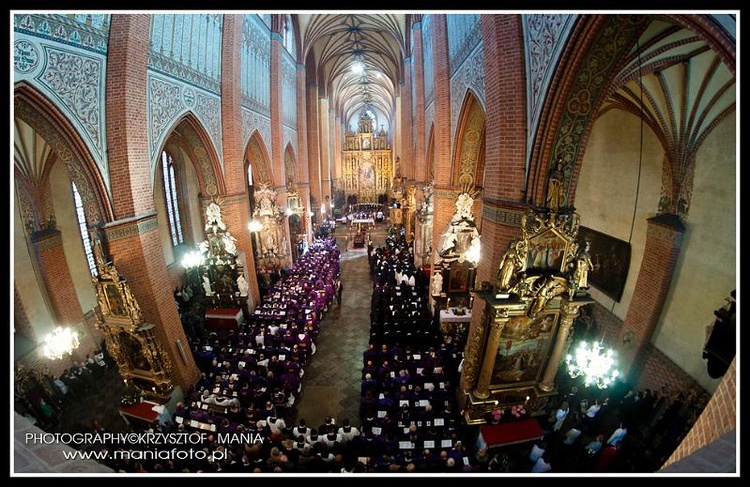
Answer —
610 258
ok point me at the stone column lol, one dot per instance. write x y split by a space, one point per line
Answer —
133 238
490 353
660 255
568 312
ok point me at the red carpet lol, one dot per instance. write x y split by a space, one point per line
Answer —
142 411
510 433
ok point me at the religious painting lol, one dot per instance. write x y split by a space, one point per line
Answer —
546 252
292 202
397 216
115 301
366 143
458 279
610 260
524 346
132 350
366 175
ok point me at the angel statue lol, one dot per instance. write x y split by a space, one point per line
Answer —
508 265
463 207
437 284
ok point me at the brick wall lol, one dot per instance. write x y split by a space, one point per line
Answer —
53 268
133 239
663 244
505 135
718 418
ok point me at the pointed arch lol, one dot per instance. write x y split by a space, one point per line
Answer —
467 167
46 120
195 140
259 160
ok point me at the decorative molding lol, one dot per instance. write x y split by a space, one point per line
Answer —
169 67
290 136
429 119
474 347
92 34
469 76
546 36
168 100
187 48
255 59
289 91
74 80
252 121
230 199
427 59
25 56
208 109
471 33
51 134
613 39
503 216
447 193
164 104
129 227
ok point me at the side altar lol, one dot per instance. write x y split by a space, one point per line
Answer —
521 327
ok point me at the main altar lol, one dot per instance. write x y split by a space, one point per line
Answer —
367 162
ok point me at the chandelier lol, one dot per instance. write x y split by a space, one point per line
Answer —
593 363
192 259
59 342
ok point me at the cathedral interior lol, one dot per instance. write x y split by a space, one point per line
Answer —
375 242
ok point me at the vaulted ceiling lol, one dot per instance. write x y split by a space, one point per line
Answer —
677 84
359 57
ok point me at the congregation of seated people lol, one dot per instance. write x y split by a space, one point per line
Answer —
251 378
399 311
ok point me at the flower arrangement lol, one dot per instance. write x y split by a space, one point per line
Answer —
518 411
511 413
130 396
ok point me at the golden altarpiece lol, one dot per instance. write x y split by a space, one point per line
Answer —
367 162
130 340
270 241
523 327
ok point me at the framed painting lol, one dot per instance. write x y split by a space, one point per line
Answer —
458 279
524 346
546 252
115 300
610 259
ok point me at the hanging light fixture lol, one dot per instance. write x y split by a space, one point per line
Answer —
192 259
59 342
474 251
254 226
594 363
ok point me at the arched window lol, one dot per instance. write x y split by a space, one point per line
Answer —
287 33
83 227
170 193
250 189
